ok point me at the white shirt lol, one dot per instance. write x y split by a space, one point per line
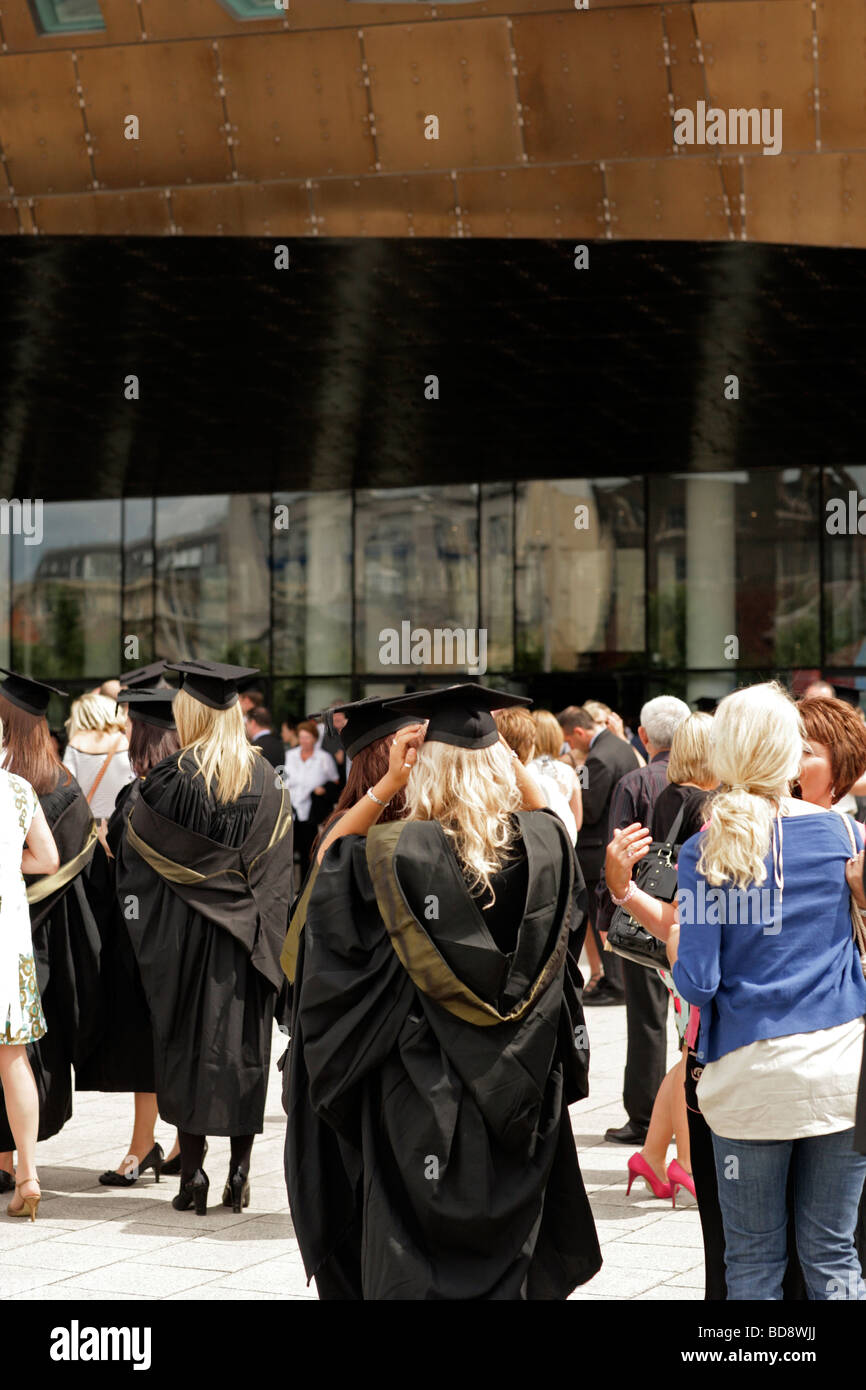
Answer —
303 776
555 800
785 1088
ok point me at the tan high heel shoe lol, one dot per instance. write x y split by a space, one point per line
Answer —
30 1205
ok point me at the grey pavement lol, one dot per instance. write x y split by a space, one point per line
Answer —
94 1243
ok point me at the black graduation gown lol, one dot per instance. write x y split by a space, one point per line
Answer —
210 882
66 950
124 1059
429 1147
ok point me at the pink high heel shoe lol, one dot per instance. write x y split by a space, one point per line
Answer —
639 1168
678 1177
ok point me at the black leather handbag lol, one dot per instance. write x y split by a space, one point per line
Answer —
655 874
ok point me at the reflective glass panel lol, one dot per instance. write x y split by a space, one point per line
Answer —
579 573
66 591
312 566
734 567
416 581
213 578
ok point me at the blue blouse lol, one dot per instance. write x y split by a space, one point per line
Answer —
763 963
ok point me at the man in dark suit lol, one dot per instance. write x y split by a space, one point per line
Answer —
607 759
258 723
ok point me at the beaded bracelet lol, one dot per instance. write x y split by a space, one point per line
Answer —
629 893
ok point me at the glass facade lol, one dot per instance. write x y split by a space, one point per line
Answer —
621 586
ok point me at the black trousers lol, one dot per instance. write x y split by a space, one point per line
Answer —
611 963
646 1007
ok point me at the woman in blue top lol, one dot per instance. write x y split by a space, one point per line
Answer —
764 948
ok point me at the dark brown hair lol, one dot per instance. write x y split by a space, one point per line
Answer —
148 745
30 751
838 726
368 767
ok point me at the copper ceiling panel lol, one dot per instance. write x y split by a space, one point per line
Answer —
533 202
41 126
841 50
671 199
142 213
184 19
9 223
459 71
243 209
760 55
397 205
173 90
732 179
819 199
594 85
687 77
297 104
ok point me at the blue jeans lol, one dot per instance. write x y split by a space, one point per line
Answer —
828 1181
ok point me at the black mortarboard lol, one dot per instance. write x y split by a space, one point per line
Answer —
366 721
145 678
32 696
459 714
150 706
212 682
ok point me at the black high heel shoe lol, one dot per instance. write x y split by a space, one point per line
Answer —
237 1190
171 1167
152 1160
193 1193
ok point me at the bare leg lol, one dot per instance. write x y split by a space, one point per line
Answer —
7 1162
592 955
22 1108
661 1125
142 1132
680 1116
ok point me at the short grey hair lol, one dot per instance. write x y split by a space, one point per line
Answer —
661 718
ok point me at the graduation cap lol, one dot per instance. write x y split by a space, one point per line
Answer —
30 695
145 678
459 714
150 706
366 721
213 683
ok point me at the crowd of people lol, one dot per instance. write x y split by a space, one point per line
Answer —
459 856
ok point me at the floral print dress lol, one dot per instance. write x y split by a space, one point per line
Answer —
21 1018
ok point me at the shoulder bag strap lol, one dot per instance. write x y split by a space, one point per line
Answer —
102 771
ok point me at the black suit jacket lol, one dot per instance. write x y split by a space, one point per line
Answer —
609 759
272 747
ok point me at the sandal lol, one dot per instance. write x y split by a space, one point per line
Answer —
592 985
29 1205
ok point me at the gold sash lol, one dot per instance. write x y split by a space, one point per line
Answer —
289 956
420 959
44 887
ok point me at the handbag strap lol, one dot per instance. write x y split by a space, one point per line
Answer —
102 771
671 837
858 927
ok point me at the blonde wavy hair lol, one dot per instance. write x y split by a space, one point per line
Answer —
690 751
472 793
756 748
95 714
218 742
548 733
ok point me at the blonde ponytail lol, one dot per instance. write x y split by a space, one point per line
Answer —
756 748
